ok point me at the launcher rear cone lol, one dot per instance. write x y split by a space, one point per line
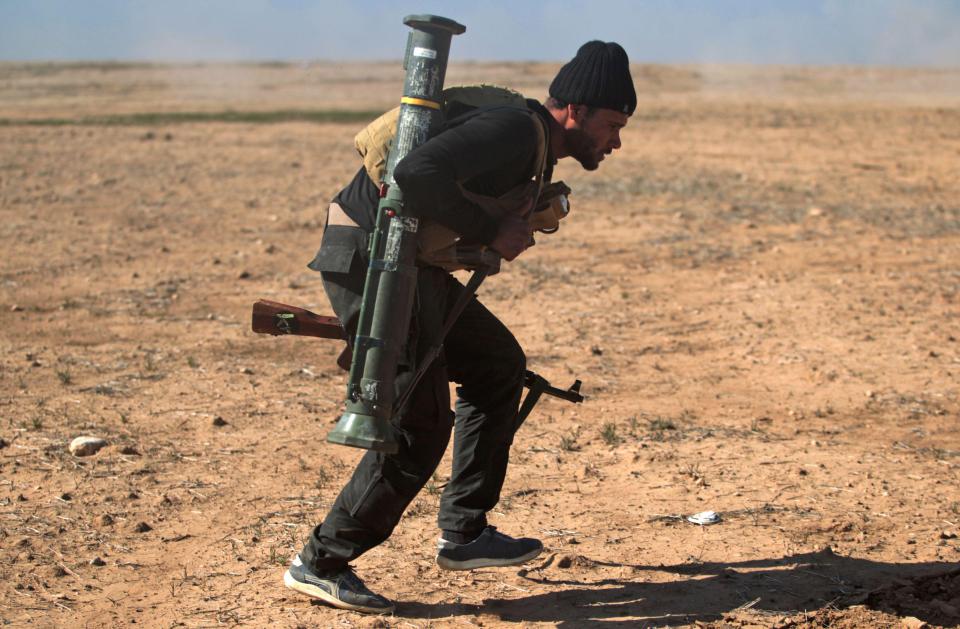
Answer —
364 431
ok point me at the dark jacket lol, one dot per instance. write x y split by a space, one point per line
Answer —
487 150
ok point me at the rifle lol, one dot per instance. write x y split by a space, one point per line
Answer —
273 317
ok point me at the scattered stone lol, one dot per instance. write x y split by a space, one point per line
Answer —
86 446
3 443
912 622
16 308
596 350
219 421
815 211
244 275
167 137
948 535
565 562
66 497
149 135
105 520
270 249
129 450
142 527
246 371
96 561
133 495
21 498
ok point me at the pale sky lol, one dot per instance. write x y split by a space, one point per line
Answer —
873 32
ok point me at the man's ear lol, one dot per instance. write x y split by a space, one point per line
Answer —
575 113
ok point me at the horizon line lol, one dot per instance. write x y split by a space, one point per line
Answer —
133 62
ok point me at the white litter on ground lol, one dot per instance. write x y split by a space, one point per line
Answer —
704 518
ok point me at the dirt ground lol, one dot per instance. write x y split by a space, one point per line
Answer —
760 292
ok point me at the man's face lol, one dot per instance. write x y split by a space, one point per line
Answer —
593 134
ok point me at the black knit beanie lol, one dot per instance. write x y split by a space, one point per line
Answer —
598 76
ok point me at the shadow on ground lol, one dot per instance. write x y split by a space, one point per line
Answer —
707 591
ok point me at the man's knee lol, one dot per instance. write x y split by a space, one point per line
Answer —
513 361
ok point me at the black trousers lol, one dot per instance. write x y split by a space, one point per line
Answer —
480 355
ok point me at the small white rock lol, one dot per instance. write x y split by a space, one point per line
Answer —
85 446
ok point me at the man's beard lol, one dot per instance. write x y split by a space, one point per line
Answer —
583 149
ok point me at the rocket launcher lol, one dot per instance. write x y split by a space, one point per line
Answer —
392 273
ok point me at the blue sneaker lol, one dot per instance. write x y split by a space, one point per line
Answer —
491 549
342 589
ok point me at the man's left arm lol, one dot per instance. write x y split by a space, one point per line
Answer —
496 140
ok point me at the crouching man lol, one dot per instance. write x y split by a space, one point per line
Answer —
486 153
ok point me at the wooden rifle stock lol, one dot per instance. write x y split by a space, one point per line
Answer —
273 317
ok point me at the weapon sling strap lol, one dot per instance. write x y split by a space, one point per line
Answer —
468 293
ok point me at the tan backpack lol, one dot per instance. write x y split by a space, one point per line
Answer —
437 244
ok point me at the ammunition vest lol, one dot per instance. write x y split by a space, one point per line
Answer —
438 245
